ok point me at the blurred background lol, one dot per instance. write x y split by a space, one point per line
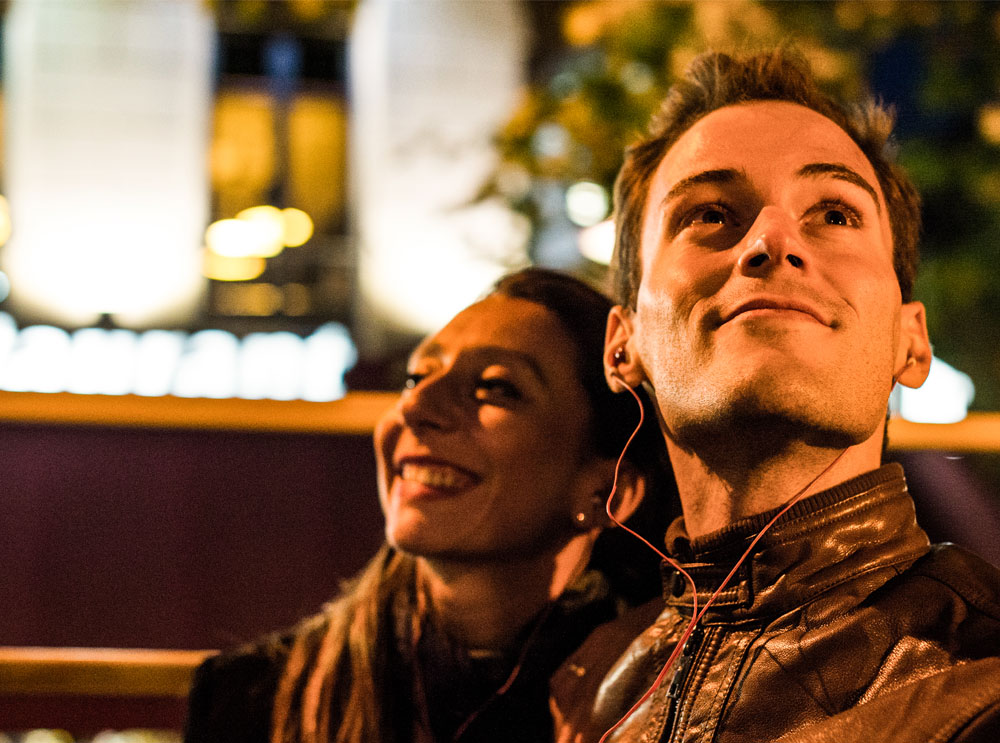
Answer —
273 201
191 185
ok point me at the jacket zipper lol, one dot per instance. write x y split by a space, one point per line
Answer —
676 689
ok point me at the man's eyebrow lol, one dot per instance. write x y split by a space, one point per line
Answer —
721 175
841 172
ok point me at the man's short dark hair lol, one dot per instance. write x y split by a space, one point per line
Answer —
715 80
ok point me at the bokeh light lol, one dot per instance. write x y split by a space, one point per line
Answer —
587 203
598 242
269 229
226 268
297 227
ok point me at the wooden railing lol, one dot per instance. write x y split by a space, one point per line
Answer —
85 690
354 414
357 414
98 671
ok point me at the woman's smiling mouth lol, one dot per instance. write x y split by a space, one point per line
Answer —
435 475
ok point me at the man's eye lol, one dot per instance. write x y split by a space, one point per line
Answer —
836 217
496 390
837 214
712 216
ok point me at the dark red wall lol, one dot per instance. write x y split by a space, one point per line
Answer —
175 538
117 537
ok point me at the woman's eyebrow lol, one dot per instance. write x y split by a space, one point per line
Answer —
841 172
525 359
436 351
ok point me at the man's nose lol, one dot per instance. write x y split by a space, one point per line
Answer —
771 242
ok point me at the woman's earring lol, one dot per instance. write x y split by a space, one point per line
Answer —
581 520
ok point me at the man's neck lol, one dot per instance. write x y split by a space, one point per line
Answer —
721 487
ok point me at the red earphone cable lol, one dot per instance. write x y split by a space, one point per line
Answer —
695 614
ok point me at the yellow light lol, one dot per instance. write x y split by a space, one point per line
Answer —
989 123
228 268
298 227
296 300
4 221
230 238
259 300
241 238
269 229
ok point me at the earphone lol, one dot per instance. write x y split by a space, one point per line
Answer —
620 356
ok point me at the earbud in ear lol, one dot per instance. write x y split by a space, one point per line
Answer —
620 355
618 381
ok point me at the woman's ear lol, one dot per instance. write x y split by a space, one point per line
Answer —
622 365
913 356
593 487
630 490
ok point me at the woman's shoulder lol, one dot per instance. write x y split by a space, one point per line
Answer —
232 693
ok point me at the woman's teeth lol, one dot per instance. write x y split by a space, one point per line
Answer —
435 475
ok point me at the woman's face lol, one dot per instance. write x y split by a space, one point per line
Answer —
485 455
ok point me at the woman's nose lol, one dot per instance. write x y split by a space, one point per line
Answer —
429 403
771 243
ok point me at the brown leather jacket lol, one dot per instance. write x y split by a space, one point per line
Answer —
845 625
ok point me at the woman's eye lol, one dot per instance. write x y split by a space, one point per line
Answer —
496 390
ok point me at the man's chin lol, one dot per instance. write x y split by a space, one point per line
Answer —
773 418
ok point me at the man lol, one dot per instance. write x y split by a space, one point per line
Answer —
765 259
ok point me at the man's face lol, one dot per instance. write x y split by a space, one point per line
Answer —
768 289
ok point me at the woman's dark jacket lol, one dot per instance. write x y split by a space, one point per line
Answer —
843 626
232 694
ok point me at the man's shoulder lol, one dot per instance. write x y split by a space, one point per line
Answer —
957 704
964 573
954 579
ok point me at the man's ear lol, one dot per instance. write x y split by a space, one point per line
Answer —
621 360
913 356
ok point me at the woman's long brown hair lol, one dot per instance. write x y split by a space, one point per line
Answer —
342 653
342 660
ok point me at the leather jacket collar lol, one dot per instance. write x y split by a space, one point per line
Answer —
863 525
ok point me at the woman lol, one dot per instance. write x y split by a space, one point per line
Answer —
494 467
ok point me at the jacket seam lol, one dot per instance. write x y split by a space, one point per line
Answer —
972 598
981 704
833 583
